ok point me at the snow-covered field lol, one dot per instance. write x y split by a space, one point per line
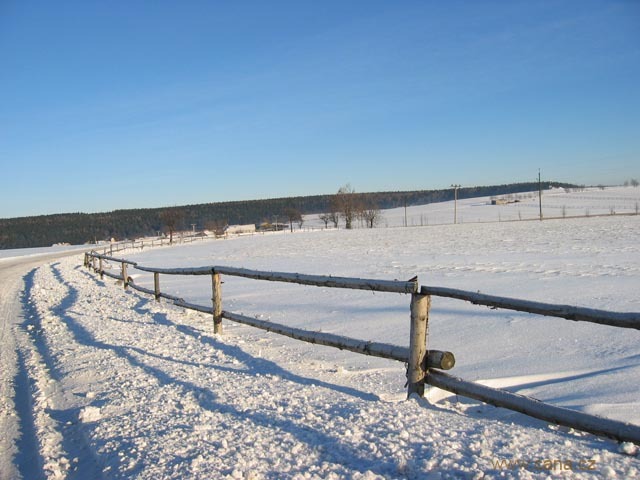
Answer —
122 386
556 203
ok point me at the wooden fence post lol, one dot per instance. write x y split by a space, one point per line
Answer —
217 303
124 275
416 370
156 285
101 270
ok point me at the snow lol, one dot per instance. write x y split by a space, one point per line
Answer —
556 203
123 386
12 253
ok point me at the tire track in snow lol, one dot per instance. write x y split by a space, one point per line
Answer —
9 422
63 447
28 459
19 447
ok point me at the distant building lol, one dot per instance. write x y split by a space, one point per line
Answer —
239 229
273 227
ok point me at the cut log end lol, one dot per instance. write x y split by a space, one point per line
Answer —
440 360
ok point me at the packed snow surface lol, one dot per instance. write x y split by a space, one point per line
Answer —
127 387
40 251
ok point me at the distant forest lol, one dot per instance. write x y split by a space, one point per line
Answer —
80 228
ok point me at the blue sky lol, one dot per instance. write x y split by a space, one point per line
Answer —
110 105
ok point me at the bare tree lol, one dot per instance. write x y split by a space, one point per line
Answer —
634 182
326 218
359 208
370 213
293 215
334 211
171 218
345 204
216 226
335 218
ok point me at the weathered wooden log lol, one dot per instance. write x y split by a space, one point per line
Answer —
156 286
216 286
113 259
315 280
113 275
141 289
179 302
439 360
324 281
125 278
624 432
418 343
375 349
176 300
178 271
435 359
602 317
173 298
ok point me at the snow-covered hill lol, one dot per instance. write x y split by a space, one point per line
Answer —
556 203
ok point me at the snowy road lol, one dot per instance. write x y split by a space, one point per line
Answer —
33 431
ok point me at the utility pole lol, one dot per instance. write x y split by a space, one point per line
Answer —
540 194
455 202
405 211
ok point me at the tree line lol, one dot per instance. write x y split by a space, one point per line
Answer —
345 207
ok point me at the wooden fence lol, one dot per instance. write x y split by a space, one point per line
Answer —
123 245
424 366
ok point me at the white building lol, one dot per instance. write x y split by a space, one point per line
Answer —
239 229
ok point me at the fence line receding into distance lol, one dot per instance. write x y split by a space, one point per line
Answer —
424 366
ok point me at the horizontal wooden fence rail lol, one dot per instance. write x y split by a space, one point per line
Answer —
123 245
435 358
316 280
113 259
534 408
602 317
423 365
